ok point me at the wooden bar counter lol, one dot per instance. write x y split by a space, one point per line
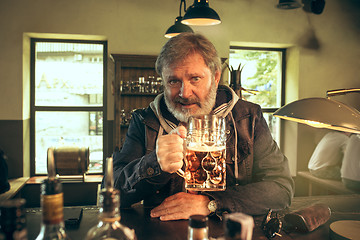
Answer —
344 207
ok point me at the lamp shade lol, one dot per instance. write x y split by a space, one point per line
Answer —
288 4
322 113
201 14
177 28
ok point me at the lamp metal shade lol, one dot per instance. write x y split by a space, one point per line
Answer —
288 4
177 28
322 113
201 14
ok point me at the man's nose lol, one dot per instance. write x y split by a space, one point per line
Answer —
186 90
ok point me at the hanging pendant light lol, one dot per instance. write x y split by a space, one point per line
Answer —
178 27
201 14
288 4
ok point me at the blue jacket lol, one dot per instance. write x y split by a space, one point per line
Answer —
261 180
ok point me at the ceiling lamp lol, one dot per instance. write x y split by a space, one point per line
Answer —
201 14
178 27
323 112
288 4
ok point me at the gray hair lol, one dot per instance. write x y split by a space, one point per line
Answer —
179 47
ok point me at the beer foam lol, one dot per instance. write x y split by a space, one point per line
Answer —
198 147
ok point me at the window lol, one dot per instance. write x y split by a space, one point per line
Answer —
68 106
263 70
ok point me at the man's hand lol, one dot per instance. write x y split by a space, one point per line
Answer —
181 206
170 148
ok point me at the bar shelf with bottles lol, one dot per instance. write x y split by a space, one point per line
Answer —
136 85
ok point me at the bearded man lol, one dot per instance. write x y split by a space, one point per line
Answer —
258 176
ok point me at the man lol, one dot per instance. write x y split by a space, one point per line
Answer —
350 168
258 176
326 160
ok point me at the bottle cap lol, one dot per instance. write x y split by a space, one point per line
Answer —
198 221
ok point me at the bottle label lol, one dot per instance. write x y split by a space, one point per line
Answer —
52 207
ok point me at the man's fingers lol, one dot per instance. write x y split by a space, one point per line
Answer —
174 216
181 131
180 206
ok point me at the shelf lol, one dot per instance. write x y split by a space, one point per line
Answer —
128 68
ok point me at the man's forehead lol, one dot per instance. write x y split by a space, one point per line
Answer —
183 66
187 72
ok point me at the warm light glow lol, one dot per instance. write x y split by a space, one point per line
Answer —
317 124
170 35
201 21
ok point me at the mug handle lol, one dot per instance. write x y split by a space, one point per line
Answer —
181 173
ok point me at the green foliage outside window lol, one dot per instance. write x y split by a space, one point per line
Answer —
261 72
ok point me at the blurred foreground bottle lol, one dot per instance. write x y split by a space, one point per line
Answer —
198 228
238 226
52 205
109 226
13 220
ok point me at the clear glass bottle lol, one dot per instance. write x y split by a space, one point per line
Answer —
52 205
109 226
13 220
198 228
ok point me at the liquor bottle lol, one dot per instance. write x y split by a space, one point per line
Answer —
198 228
13 220
109 226
52 204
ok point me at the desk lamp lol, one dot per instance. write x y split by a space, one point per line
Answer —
323 112
330 114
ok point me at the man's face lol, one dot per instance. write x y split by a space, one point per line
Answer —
190 88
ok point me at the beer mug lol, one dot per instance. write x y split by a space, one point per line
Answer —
205 166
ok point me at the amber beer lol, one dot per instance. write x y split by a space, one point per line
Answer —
205 168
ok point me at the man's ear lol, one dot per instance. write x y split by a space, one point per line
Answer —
217 77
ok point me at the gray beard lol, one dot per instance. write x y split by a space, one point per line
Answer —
183 114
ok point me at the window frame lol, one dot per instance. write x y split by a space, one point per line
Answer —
283 77
34 109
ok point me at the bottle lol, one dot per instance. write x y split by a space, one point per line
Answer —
109 226
198 228
238 226
52 204
13 220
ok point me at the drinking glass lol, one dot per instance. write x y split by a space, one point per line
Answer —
205 166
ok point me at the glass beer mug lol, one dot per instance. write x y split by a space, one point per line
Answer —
205 166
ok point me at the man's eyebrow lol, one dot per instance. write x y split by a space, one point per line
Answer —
195 74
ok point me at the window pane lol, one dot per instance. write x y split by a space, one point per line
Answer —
68 74
262 72
82 129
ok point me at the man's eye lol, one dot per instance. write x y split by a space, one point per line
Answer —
196 79
173 82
